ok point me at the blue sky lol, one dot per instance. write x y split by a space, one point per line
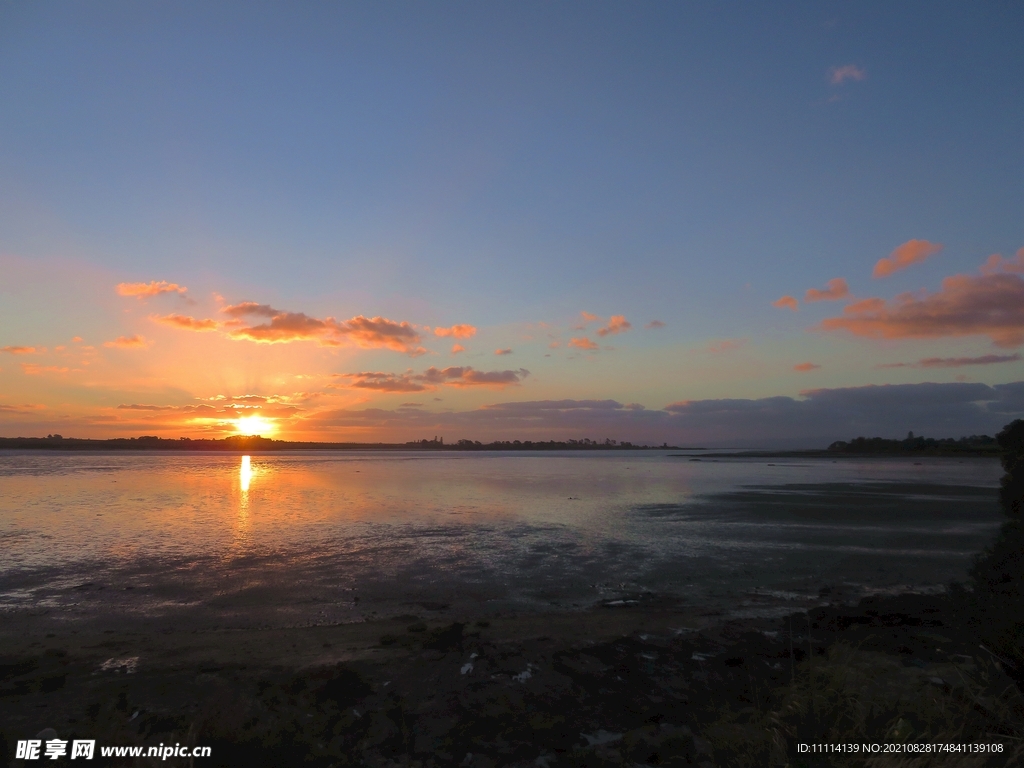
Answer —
507 166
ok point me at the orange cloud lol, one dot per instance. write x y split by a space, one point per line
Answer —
185 322
805 367
462 331
655 324
617 324
954 362
366 332
386 382
839 75
77 339
837 289
23 350
996 263
726 345
911 252
152 288
589 318
787 302
583 343
128 342
456 348
967 305
506 351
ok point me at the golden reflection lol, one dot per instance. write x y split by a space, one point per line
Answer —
245 474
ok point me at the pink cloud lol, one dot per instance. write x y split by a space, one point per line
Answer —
386 382
185 322
786 302
996 263
153 288
583 343
616 324
128 342
837 289
455 376
805 367
954 362
456 348
911 252
966 305
839 75
462 331
506 351
589 318
726 345
655 324
23 350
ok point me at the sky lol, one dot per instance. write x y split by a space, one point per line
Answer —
696 223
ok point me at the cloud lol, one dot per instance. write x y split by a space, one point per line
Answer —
462 331
147 290
725 345
805 367
837 289
35 369
911 252
655 324
966 305
616 324
185 322
28 409
589 318
786 302
77 339
583 343
23 350
839 75
137 407
456 348
128 342
386 382
430 379
954 362
996 263
366 332
506 351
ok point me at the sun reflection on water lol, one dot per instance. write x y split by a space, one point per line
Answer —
245 474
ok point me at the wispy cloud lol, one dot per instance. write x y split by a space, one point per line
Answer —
616 324
806 367
185 322
836 289
128 342
431 378
655 324
911 252
462 331
152 288
456 348
954 362
787 302
506 351
35 369
725 345
839 75
23 350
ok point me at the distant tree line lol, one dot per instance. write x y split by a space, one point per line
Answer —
912 444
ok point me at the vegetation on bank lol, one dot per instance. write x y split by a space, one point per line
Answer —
975 444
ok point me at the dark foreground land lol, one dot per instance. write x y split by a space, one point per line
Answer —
636 682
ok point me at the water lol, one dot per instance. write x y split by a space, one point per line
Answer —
298 538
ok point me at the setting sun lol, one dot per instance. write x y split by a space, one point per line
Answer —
255 425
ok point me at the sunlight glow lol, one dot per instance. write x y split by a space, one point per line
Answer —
255 425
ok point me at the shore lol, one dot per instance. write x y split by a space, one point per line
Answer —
643 682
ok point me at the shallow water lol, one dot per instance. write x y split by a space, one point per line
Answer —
297 538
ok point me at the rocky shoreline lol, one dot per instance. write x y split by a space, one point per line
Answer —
640 682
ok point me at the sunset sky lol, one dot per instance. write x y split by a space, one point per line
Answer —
697 223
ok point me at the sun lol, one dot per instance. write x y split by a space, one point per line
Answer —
255 425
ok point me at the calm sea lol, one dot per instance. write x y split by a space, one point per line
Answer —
286 539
